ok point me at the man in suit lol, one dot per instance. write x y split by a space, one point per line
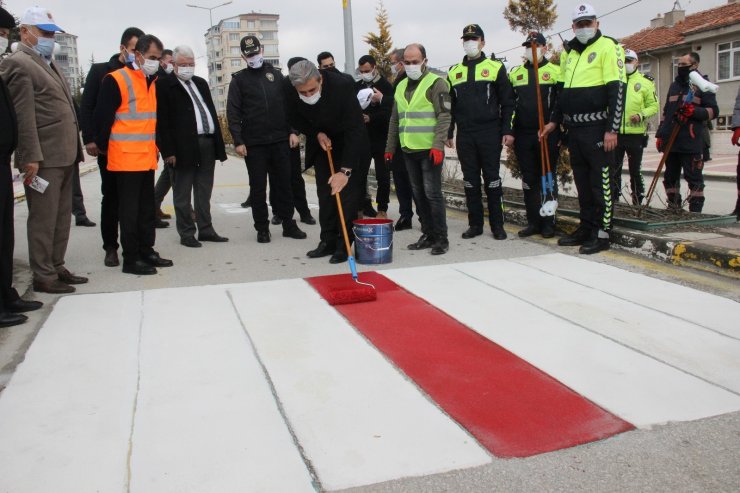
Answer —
11 304
164 182
189 139
48 148
109 204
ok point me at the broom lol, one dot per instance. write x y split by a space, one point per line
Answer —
363 291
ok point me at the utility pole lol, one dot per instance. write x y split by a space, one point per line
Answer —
349 47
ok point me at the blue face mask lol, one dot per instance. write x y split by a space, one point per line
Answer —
44 46
130 57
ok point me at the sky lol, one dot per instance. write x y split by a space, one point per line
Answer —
309 27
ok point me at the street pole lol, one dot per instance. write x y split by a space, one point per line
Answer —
349 48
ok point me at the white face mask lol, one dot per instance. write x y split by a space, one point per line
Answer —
584 34
414 71
185 73
150 67
169 68
631 67
312 100
394 70
472 50
3 44
540 54
255 61
368 76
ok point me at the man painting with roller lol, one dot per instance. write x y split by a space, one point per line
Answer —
686 151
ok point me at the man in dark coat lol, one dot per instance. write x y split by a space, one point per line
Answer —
189 139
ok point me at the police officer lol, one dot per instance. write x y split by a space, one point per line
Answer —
686 152
736 141
526 125
257 120
641 104
591 106
482 107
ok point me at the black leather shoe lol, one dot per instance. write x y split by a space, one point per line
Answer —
548 228
472 232
163 215
155 260
424 242
403 223
338 257
291 230
190 242
440 247
499 233
139 268
263 237
307 218
247 203
84 221
111 258
577 237
276 220
22 306
11 319
68 278
322 250
594 245
159 224
530 230
215 237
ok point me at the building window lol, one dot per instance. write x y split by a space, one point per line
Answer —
219 79
231 24
220 91
235 62
269 35
645 68
235 51
265 25
728 60
218 67
270 49
251 25
218 54
233 36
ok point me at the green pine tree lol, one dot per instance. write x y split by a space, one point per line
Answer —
381 44
530 15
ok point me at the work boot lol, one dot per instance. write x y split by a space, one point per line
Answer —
440 247
594 245
263 236
548 227
530 230
291 230
577 237
674 201
424 242
472 232
499 233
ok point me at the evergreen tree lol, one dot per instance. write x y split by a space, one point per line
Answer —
381 44
530 15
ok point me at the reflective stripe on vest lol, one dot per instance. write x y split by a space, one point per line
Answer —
132 145
417 118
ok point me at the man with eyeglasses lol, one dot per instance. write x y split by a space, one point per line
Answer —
189 139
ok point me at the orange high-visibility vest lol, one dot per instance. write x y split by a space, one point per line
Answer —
132 145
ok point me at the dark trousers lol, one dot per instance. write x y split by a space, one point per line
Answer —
195 181
269 161
592 174
331 231
382 176
297 184
108 205
163 185
7 234
527 150
426 184
632 145
692 166
136 213
480 152
78 200
402 182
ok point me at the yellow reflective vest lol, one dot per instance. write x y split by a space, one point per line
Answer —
416 118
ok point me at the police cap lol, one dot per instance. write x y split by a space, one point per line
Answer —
472 31
537 38
250 45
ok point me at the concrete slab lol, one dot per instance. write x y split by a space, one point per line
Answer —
692 235
729 243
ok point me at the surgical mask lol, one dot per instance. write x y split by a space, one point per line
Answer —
472 50
311 100
44 46
368 76
3 44
394 70
255 61
150 67
683 72
540 54
129 57
414 71
185 73
169 68
630 67
584 34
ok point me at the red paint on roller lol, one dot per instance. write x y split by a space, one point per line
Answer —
512 408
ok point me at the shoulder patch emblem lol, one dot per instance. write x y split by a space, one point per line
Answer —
458 75
592 57
520 77
637 87
485 72
546 76
270 77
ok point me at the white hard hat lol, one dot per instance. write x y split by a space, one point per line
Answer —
584 11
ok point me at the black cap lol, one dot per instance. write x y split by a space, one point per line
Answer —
472 31
250 45
537 38
6 20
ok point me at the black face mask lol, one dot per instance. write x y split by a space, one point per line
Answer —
683 72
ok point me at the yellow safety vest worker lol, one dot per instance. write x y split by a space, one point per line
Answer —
416 118
641 100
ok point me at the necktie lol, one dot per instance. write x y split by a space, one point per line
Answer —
201 109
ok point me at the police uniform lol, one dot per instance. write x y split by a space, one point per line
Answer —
527 143
632 138
590 105
482 107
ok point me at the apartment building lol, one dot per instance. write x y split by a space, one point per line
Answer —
67 59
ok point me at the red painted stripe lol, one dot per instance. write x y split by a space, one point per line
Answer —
512 408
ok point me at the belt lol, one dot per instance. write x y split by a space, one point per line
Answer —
586 117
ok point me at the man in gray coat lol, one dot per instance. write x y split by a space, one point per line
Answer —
48 148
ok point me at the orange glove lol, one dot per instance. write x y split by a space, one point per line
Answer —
436 156
736 136
659 144
388 157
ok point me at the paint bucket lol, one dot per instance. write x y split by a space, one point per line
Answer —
373 241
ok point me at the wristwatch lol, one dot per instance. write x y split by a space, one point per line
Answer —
347 172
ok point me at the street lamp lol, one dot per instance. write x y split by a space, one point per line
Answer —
209 9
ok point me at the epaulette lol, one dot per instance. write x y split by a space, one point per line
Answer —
609 37
649 77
